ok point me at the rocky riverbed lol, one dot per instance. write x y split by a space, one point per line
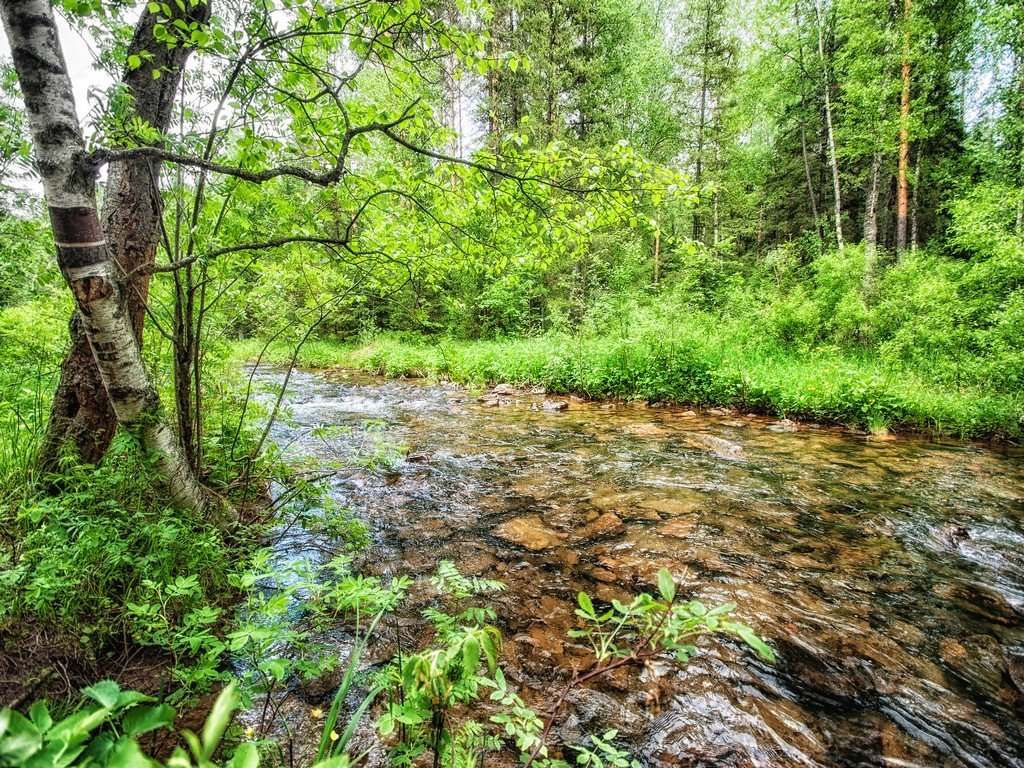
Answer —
887 573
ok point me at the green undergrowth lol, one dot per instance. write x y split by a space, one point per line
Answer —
98 564
696 368
95 563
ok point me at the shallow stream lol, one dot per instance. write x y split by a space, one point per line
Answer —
887 573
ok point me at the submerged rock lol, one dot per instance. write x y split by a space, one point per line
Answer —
645 430
675 506
596 711
950 535
530 533
554 405
680 528
718 446
605 525
980 601
982 662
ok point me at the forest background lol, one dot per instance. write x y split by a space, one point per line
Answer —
814 210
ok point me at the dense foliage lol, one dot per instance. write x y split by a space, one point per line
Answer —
806 209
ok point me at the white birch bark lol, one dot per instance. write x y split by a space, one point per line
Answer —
69 187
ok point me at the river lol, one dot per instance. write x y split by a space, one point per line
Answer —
888 573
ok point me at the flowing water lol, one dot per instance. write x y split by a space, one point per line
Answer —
887 573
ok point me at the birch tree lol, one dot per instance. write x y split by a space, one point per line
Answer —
82 418
83 254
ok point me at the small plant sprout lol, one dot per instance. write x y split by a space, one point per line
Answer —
623 634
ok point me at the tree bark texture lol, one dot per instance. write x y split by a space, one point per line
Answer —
82 418
902 181
85 261
705 85
830 131
871 225
871 206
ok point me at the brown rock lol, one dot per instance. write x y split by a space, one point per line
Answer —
978 659
605 525
504 389
717 445
567 557
644 430
680 528
530 533
640 513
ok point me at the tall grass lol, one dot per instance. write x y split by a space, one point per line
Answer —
697 365
24 408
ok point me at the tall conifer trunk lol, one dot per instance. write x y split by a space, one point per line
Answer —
871 206
83 255
830 132
871 224
902 173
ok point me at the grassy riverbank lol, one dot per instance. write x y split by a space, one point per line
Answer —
100 575
693 369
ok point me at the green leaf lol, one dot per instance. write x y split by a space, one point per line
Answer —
666 585
127 754
246 756
21 739
219 718
470 655
39 714
585 603
130 698
140 720
105 693
750 638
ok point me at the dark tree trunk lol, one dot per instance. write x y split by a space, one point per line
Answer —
82 419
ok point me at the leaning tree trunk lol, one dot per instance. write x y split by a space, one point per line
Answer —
82 419
85 261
